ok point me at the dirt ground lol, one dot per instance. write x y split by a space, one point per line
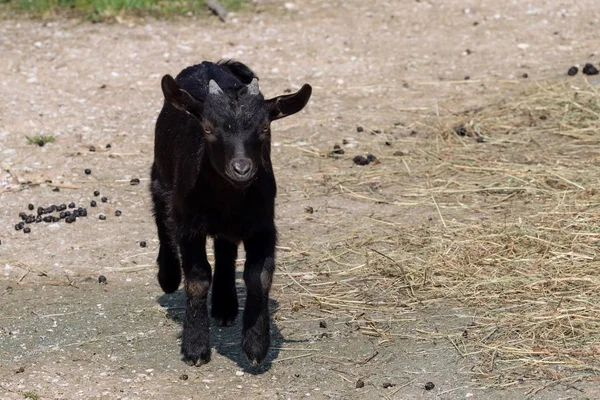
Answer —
389 66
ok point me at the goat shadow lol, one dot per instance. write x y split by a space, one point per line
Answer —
227 340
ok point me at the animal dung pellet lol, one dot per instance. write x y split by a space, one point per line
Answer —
589 69
360 160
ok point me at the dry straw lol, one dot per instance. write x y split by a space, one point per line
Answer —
512 191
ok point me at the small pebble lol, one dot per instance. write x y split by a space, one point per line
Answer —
118 213
30 207
87 171
92 203
142 244
429 386
102 279
26 230
71 205
589 69
134 181
360 384
239 373
104 199
572 71
102 217
96 193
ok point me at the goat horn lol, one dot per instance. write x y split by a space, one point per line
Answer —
253 87
213 88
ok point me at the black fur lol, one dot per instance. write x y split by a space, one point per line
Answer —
212 176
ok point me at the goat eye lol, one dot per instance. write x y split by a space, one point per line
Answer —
207 130
265 129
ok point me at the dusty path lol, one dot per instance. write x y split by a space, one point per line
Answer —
381 65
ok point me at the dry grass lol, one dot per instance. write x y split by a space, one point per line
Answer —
515 238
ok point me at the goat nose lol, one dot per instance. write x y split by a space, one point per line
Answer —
241 166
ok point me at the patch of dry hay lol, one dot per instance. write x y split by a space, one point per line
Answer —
516 236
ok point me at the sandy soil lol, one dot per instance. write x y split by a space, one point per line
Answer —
381 65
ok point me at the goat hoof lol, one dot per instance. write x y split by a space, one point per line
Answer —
196 358
224 311
225 322
255 348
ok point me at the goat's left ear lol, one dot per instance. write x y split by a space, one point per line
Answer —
282 106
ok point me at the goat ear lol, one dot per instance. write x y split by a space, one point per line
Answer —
282 106
179 98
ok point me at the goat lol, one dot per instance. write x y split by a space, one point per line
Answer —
212 176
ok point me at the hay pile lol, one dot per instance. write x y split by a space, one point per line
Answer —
515 236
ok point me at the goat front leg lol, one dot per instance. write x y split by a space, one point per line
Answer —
258 275
195 340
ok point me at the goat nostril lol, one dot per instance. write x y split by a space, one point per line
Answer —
241 167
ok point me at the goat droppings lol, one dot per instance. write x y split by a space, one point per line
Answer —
102 280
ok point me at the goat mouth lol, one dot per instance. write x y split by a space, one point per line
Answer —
241 180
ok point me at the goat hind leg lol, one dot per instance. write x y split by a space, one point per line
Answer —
224 296
169 269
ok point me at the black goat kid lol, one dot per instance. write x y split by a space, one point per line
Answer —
212 176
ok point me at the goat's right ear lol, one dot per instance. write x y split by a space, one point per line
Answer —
179 98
